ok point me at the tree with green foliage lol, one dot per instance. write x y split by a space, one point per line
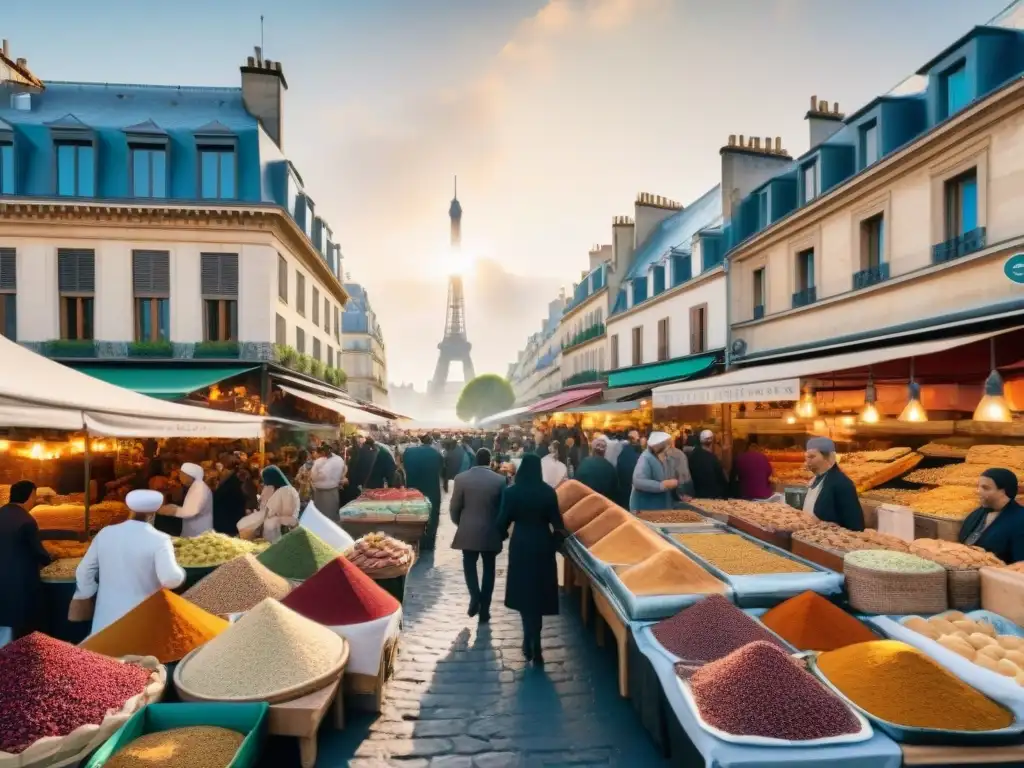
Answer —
484 396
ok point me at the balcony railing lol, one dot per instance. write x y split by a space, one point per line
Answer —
959 246
807 296
587 334
758 311
870 276
583 377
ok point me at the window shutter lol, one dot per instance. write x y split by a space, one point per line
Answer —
76 270
151 272
219 275
694 330
8 269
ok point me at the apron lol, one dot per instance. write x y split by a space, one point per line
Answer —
812 498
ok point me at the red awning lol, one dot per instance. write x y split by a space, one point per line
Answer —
562 399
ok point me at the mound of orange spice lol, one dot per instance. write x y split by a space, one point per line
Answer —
809 622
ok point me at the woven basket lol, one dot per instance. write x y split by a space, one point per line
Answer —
964 588
394 572
885 592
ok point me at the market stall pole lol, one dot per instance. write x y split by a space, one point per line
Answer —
607 615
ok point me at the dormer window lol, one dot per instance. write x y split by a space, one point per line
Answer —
75 145
218 166
147 146
869 147
6 158
955 88
811 180
763 210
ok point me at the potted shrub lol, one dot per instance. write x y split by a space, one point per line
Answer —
150 349
216 349
71 348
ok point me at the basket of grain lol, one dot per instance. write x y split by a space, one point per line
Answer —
962 564
270 654
884 582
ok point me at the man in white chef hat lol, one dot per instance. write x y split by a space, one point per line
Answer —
196 511
136 560
652 486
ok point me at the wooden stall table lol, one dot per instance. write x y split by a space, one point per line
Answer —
586 589
302 717
606 615
365 693
917 754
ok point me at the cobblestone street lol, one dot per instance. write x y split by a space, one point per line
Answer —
464 697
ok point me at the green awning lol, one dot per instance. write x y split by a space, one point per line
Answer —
165 383
683 368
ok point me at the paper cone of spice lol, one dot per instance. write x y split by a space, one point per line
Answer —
342 597
163 625
298 555
237 586
268 653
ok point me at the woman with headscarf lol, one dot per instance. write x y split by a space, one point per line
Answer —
196 511
552 468
531 585
279 502
998 524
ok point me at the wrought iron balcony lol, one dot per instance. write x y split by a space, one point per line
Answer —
876 274
583 377
587 334
959 246
807 296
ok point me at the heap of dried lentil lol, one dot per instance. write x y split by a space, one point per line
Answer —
200 746
270 649
237 586
50 688
298 555
759 690
737 556
709 630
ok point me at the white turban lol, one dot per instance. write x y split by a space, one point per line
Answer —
194 471
599 440
707 436
657 438
144 502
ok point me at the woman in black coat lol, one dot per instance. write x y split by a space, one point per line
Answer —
531 585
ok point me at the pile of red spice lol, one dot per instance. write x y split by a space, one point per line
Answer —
710 629
50 688
809 622
340 594
760 691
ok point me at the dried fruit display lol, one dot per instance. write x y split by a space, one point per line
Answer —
1015 567
670 516
890 495
890 562
61 570
772 516
953 554
59 549
212 549
378 550
943 451
759 690
867 469
71 517
886 456
1009 456
838 539
955 502
737 556
975 641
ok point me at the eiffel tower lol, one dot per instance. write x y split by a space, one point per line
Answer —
454 346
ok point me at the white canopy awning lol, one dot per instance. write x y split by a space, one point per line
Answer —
499 418
38 390
352 415
781 381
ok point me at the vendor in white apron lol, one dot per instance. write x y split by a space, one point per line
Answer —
196 512
831 496
127 562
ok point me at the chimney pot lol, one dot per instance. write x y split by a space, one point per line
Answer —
823 105
768 143
778 143
23 63
268 64
814 103
251 61
742 142
259 56
755 142
835 107
732 139
7 48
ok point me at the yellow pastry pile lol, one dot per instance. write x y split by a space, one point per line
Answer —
952 554
839 539
976 641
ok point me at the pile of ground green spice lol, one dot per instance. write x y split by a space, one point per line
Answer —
298 555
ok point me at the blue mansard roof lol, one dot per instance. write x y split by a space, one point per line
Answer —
677 231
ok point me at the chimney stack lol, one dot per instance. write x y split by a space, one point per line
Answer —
7 48
599 254
263 87
822 121
746 165
649 211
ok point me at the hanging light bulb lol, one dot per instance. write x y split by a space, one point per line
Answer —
807 408
869 413
993 405
913 410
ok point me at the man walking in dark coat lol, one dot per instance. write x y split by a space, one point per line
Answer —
624 466
475 505
709 479
423 469
21 557
597 473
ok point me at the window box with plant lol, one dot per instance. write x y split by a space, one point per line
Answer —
595 331
216 350
161 348
70 348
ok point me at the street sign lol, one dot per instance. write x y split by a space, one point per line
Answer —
1014 268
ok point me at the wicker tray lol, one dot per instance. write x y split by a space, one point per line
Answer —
829 558
883 592
393 572
964 588
277 697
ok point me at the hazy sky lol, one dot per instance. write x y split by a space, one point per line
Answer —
553 113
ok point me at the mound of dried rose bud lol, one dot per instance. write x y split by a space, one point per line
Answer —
50 688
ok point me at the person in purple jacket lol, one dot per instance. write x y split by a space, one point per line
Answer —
751 471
